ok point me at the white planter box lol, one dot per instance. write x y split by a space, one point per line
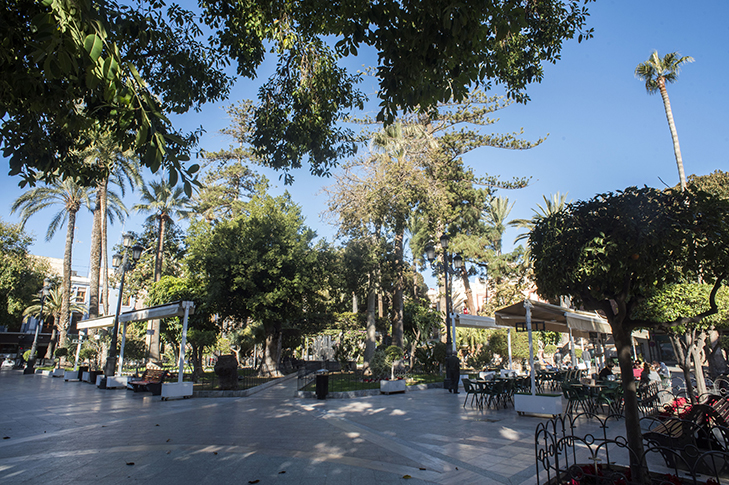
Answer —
539 404
174 390
388 387
86 376
98 379
70 375
57 372
116 382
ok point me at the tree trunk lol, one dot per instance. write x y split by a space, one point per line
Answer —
714 355
153 327
398 303
683 357
674 134
370 342
95 257
271 354
632 418
105 252
51 344
355 303
467 290
65 319
698 344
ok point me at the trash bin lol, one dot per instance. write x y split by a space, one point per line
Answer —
322 383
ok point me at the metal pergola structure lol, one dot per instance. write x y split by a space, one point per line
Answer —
175 309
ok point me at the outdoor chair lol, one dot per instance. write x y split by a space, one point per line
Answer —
470 389
577 397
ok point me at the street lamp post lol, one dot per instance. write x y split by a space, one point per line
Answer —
30 368
119 260
452 362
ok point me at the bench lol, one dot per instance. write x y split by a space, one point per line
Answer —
151 381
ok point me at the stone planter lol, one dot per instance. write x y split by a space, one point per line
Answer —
549 404
176 390
389 387
70 375
117 382
57 372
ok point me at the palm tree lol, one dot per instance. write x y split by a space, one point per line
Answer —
52 307
656 72
164 203
120 168
71 197
554 204
495 213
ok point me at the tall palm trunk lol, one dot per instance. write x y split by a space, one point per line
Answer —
153 327
66 297
674 134
95 257
104 251
398 304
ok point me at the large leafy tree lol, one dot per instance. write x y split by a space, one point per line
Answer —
69 196
67 65
656 72
259 266
70 67
21 275
612 252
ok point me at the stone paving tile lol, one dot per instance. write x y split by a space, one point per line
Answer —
68 432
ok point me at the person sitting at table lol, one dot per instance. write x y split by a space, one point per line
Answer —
645 375
606 371
637 370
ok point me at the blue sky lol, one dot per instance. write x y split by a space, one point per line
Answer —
605 132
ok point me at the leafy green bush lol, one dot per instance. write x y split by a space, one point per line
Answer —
61 352
550 349
482 359
378 365
430 357
26 355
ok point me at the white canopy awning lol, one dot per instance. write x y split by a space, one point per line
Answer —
175 309
555 318
474 321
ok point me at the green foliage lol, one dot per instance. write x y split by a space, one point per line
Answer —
675 302
661 238
89 353
349 347
431 356
69 68
482 359
26 355
21 275
550 349
393 353
61 352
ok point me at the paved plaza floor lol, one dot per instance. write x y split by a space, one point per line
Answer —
57 432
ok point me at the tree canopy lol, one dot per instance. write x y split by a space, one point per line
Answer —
68 66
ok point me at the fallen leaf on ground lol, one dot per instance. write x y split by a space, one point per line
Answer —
282 471
130 463
215 452
407 476
422 468
253 481
6 437
168 440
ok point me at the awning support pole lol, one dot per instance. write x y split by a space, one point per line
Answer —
528 306
183 342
